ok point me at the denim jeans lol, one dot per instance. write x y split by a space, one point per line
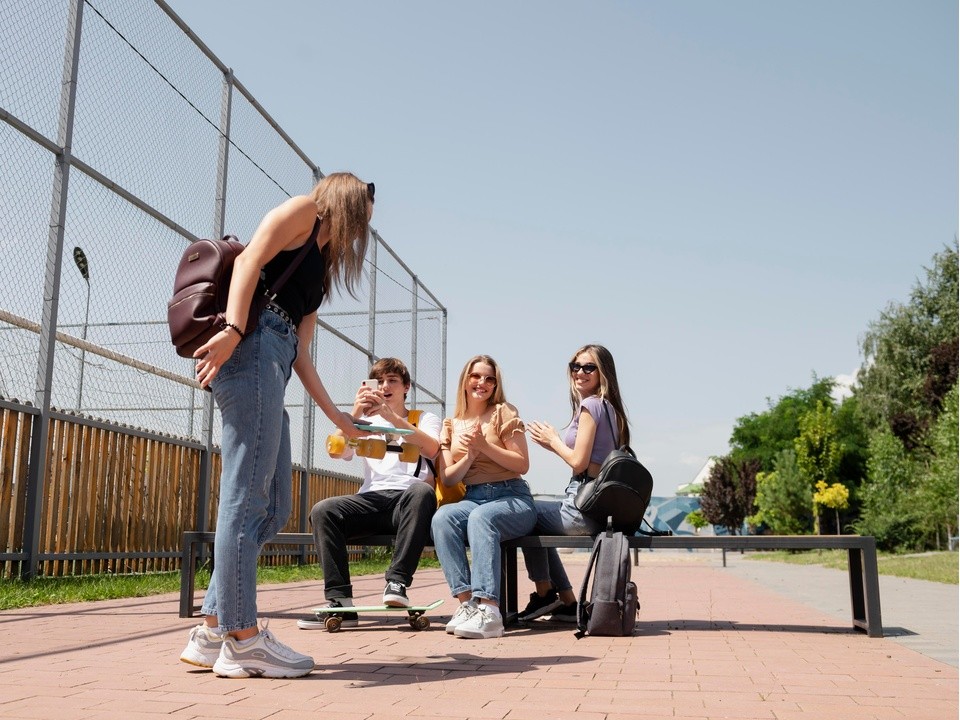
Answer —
556 517
256 477
336 520
488 514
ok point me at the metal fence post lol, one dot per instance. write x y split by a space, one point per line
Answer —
51 294
414 321
219 212
372 316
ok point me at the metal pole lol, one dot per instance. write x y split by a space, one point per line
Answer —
40 432
80 259
219 213
413 341
372 317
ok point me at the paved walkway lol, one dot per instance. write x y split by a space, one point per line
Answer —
711 643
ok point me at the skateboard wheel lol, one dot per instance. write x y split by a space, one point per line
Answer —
336 444
333 623
409 452
372 448
420 623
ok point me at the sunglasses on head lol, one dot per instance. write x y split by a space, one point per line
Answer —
588 368
485 379
371 189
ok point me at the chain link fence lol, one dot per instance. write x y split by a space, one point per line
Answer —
124 138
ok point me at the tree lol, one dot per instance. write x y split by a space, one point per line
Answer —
763 435
818 450
783 498
836 497
728 494
886 511
937 494
909 355
696 518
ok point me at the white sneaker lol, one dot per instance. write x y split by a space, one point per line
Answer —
203 647
264 657
482 624
463 613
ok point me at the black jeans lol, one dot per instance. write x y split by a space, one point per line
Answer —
405 513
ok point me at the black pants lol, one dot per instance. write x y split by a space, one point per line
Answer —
405 513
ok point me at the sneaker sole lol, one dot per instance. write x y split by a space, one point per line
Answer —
200 662
476 634
250 670
540 612
395 601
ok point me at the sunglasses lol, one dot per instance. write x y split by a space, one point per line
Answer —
485 379
588 368
371 189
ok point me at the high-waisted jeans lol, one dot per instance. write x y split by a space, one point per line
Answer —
488 514
256 478
556 517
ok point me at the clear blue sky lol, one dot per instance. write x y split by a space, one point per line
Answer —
723 193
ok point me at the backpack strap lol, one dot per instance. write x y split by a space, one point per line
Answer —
271 293
582 601
413 417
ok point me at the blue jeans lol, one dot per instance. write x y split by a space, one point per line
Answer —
256 479
488 513
556 517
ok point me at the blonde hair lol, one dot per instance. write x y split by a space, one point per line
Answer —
496 397
609 387
343 202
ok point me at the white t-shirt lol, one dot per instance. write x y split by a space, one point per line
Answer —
391 474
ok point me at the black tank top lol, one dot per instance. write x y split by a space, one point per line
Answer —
304 291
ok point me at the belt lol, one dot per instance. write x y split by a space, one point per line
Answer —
282 314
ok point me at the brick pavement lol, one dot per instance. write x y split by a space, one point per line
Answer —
709 645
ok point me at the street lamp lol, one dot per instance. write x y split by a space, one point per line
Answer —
81 261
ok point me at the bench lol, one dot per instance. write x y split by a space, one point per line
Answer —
861 562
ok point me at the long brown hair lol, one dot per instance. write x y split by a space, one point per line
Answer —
496 397
609 387
343 202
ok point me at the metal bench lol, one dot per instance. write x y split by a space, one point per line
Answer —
861 553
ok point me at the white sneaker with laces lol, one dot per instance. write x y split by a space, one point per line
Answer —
463 613
483 624
203 647
264 656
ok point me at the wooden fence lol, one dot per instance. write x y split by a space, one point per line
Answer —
116 501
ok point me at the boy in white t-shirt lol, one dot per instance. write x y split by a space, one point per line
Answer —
396 498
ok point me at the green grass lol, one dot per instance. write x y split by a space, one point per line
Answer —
942 567
52 591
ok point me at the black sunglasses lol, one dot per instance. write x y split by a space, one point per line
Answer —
588 368
371 189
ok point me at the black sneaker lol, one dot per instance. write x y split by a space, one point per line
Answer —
395 595
565 613
539 605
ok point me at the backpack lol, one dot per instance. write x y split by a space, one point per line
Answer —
613 606
444 494
620 491
197 310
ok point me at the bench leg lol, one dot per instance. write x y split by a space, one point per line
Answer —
508 584
188 574
865 590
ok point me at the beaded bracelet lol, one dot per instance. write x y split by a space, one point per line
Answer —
234 327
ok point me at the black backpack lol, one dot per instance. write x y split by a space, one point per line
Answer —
613 605
621 490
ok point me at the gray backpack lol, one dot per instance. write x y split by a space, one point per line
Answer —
613 606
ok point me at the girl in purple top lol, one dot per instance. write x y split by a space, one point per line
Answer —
599 424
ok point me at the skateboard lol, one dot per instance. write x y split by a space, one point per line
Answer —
375 448
330 618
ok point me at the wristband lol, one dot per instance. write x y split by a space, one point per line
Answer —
234 328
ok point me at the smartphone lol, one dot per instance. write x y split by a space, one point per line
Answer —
371 383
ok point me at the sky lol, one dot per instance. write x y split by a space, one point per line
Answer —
725 194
